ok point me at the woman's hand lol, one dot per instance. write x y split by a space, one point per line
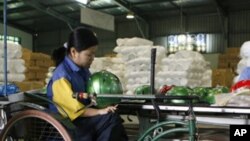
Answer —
89 112
107 110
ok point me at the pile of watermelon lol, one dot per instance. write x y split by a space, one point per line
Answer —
206 94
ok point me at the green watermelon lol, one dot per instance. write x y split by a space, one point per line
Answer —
179 91
104 82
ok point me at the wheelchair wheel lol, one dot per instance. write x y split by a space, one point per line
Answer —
34 125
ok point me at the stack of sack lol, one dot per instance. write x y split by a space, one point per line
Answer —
185 68
37 65
245 59
114 65
98 64
136 55
132 65
15 64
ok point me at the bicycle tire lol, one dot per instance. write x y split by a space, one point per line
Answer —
31 116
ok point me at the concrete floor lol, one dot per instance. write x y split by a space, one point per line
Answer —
204 135
205 132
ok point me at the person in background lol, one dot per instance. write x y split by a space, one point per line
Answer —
245 55
70 77
245 74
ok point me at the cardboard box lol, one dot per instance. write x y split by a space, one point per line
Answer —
29 63
222 77
41 76
223 65
40 56
37 69
26 54
44 63
30 76
233 50
222 57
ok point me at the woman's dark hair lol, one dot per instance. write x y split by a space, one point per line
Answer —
58 55
80 38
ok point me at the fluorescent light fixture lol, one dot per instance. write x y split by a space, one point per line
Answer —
83 1
182 39
194 42
130 15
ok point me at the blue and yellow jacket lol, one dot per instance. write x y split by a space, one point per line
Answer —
67 79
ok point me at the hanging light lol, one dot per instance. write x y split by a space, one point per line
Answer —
201 42
190 39
130 15
83 1
182 39
189 47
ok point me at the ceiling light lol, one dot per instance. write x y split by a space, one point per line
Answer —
130 15
83 1
182 39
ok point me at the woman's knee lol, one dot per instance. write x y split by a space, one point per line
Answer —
115 118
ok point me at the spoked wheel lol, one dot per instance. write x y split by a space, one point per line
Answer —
34 125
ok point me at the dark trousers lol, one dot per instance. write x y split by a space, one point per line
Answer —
100 128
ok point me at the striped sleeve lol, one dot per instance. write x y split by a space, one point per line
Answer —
62 95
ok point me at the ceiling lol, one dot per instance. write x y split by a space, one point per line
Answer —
35 16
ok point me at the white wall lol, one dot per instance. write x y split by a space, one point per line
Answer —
213 59
26 38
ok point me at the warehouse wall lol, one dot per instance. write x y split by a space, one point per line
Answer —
213 59
214 40
238 28
132 28
107 41
158 29
26 38
191 24
46 42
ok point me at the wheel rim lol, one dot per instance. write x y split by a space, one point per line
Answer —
34 125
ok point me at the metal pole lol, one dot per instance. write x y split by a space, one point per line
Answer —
152 71
5 46
152 82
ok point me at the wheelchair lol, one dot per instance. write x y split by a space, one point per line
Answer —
30 120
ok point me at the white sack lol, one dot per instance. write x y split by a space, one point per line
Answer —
12 77
244 62
135 41
13 65
245 50
13 50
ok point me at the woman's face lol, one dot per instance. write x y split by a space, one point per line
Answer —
85 57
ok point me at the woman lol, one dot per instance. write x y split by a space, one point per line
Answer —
70 77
